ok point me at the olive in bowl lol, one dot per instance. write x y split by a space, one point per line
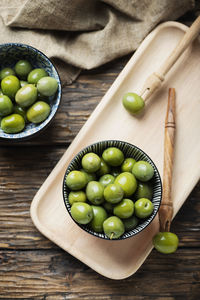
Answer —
22 66
113 210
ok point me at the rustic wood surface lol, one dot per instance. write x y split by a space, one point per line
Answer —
32 267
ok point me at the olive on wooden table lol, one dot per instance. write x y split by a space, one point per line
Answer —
133 103
166 242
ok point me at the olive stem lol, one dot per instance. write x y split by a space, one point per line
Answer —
112 234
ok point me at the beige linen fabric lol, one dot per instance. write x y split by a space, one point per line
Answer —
84 34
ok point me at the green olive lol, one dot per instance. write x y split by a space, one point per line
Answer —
124 209
143 171
128 164
113 227
6 72
10 85
113 156
113 193
91 162
127 182
76 180
166 242
82 212
13 123
130 223
115 171
47 86
76 196
20 111
133 103
104 168
42 97
26 95
108 207
23 68
106 179
35 75
99 216
94 192
143 208
6 106
89 176
38 112
144 190
23 83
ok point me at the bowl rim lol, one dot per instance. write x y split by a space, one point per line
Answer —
152 216
37 132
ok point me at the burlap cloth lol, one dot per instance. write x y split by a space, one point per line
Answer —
84 34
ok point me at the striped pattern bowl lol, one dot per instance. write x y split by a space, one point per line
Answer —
11 53
129 150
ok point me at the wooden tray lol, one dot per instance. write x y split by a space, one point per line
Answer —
120 259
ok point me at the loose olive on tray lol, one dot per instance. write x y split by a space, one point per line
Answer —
24 96
105 203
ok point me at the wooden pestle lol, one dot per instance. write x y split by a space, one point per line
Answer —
154 81
166 208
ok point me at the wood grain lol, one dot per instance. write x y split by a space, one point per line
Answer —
58 273
166 209
31 267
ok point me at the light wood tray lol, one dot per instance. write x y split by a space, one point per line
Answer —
120 259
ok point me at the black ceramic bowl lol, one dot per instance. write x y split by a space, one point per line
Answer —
9 54
129 150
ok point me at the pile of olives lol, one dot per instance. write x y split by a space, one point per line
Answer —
23 95
110 194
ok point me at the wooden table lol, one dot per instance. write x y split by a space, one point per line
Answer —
32 267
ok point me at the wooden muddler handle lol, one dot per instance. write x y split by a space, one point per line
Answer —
154 81
166 209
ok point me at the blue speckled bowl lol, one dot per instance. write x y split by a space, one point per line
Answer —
129 150
9 54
